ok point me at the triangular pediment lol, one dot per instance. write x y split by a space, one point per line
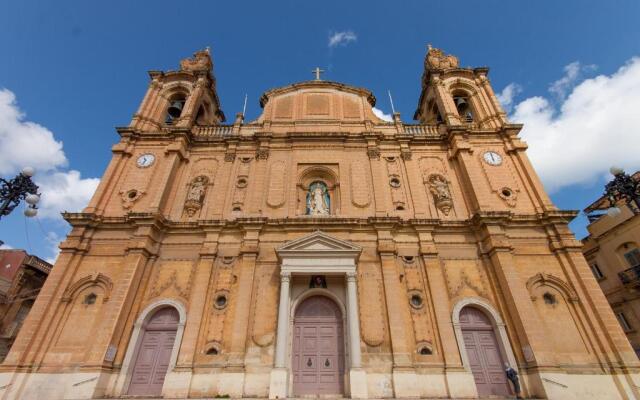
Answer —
319 242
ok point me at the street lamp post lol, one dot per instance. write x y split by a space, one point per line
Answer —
19 188
622 187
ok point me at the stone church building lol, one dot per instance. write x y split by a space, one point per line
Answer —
320 250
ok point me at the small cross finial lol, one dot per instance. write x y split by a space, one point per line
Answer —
317 71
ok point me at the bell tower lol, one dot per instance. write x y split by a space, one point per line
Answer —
457 96
182 98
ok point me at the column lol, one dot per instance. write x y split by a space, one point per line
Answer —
283 320
278 379
353 320
357 376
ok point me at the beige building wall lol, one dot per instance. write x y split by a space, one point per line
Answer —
430 217
612 250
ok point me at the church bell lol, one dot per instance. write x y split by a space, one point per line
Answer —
175 109
461 103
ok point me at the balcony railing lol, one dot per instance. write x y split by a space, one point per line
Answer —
421 130
215 130
631 275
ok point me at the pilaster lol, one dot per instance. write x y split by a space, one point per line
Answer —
197 300
461 151
396 299
437 284
244 293
530 330
175 153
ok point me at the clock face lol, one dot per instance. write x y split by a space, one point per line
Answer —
492 158
146 160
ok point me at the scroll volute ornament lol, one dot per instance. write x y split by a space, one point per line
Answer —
439 188
195 195
436 59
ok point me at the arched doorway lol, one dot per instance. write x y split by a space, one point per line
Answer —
154 353
318 348
483 353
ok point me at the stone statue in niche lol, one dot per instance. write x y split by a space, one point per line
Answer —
318 281
439 188
318 201
195 195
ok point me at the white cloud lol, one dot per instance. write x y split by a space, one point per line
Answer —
53 240
64 191
24 143
593 128
341 38
5 246
380 114
572 73
507 95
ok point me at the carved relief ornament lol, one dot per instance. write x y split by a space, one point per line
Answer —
195 195
373 153
436 59
439 188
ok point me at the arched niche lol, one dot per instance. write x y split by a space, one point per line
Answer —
99 280
321 174
556 304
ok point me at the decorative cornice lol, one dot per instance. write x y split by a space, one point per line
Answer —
314 85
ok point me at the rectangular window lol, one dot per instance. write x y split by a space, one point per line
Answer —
596 271
623 321
633 257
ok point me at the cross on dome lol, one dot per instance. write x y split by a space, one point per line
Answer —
317 71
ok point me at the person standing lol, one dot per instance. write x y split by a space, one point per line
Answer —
512 375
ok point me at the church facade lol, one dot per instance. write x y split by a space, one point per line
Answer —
320 251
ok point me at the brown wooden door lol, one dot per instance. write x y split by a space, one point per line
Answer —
154 353
318 348
483 353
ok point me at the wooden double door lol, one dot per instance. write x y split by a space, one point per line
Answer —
318 348
154 353
483 353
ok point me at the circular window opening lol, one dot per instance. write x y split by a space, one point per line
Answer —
132 194
221 301
549 298
506 192
394 182
241 183
416 301
424 351
399 208
407 259
237 209
213 352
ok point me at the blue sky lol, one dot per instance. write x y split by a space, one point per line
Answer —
78 69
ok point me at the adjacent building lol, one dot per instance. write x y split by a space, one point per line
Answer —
612 250
21 278
320 251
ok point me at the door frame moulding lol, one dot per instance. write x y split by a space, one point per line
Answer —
126 372
499 328
311 254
